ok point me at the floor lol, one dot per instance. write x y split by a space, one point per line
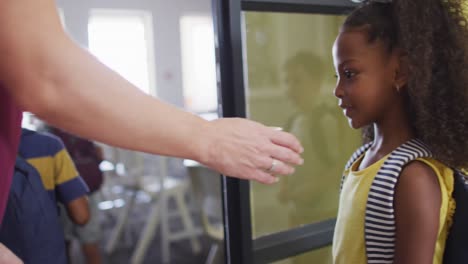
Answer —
180 251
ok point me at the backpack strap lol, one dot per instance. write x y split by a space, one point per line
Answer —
380 218
353 159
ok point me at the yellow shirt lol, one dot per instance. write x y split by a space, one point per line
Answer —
349 242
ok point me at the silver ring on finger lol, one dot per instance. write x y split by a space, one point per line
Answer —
274 163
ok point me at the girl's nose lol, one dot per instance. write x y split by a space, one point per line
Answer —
338 92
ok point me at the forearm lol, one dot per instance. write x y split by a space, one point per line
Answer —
63 84
78 210
107 108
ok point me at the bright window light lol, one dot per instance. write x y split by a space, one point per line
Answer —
123 41
198 64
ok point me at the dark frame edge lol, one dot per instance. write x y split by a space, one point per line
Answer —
236 193
293 242
299 6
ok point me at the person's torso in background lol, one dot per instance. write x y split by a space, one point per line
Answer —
85 156
318 178
58 173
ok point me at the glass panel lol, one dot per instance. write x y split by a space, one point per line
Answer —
290 84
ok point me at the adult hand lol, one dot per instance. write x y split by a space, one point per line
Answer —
248 150
7 257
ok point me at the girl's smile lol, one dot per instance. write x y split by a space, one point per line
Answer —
347 109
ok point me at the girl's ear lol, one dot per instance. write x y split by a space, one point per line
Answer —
401 72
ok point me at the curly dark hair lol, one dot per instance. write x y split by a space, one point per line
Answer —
434 35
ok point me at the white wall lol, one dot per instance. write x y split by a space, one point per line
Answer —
167 48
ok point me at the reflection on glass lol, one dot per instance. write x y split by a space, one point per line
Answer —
290 84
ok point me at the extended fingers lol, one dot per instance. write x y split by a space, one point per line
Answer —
270 177
264 169
285 155
286 140
264 177
274 166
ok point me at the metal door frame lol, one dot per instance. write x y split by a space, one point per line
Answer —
239 246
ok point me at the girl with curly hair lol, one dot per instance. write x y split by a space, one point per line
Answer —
402 74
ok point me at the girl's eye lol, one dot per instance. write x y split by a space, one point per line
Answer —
349 74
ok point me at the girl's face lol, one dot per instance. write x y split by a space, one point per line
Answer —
366 74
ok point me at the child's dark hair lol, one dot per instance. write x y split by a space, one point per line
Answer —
434 36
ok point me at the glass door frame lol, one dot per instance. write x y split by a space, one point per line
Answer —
240 248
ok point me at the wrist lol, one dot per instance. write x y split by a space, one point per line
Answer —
202 139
